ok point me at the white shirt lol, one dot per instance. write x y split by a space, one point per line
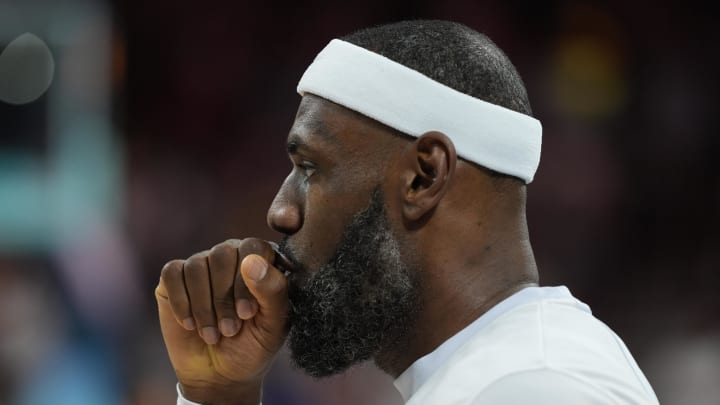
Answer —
540 345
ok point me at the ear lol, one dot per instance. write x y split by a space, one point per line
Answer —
429 167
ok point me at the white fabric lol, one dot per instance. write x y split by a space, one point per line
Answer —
420 371
402 98
181 399
540 346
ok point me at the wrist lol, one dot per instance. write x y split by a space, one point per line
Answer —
240 394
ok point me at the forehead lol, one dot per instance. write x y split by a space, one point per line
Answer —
314 122
322 123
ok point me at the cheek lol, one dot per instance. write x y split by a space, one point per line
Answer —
330 202
322 228
327 213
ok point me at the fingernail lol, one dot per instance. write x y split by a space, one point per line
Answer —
244 309
210 335
188 323
228 327
257 268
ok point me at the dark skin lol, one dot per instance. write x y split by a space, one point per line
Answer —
223 312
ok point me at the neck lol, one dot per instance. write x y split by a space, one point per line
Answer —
459 282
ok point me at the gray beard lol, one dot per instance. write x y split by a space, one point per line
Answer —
361 303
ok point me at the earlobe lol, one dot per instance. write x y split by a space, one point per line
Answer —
431 166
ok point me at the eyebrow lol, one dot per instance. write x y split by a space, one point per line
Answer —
297 142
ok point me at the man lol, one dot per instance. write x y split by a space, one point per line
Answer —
405 242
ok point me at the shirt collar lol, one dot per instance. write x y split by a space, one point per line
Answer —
422 369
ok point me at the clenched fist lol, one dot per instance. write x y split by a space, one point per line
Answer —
223 314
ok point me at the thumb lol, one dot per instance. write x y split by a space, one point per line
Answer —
268 285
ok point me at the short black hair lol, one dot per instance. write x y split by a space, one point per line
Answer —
452 54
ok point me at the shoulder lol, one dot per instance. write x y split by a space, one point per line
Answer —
544 352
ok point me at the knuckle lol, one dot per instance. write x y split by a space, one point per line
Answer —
254 245
221 251
195 263
195 273
198 256
222 248
232 242
171 269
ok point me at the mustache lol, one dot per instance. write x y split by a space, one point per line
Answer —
285 258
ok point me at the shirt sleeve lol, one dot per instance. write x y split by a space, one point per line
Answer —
542 387
182 401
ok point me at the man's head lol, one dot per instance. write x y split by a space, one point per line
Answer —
377 221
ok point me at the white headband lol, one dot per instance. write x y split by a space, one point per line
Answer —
375 86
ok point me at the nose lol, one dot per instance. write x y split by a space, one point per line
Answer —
284 214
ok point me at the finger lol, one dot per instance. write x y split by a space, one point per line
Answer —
245 304
197 281
269 287
223 267
172 287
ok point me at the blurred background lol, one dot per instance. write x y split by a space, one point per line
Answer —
134 132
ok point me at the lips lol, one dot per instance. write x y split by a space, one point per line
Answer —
282 262
285 259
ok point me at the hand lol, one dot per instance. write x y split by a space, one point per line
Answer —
223 314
